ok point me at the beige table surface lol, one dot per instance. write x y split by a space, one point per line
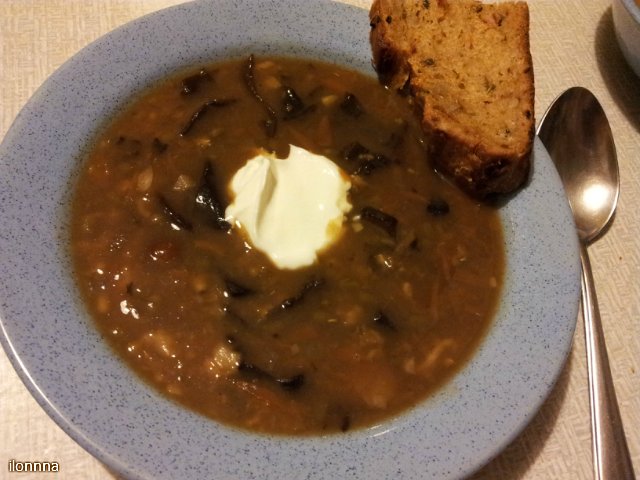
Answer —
572 43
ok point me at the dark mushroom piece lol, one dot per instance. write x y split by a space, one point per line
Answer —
204 108
286 383
296 299
271 123
292 105
235 289
177 221
368 161
351 105
382 320
207 198
383 220
192 83
438 207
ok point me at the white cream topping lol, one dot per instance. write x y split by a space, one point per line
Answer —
290 208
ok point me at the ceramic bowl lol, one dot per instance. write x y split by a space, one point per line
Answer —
626 21
137 432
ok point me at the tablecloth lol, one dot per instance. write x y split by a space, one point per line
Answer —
572 43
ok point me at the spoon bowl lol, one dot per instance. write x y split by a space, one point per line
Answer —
577 136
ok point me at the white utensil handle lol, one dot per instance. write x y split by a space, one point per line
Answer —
611 459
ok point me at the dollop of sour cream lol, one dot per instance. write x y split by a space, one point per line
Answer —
290 208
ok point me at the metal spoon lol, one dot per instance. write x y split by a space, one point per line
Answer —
577 136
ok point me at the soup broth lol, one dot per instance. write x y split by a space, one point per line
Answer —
386 315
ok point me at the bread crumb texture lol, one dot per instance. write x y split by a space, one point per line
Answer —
467 67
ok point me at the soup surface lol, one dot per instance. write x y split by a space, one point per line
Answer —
386 314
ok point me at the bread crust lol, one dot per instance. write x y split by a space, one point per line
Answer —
481 130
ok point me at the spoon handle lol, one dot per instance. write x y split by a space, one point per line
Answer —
611 459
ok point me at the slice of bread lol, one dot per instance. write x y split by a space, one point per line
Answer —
468 69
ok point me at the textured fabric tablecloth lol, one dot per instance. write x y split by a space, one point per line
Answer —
572 43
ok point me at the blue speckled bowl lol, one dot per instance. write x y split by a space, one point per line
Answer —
138 433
